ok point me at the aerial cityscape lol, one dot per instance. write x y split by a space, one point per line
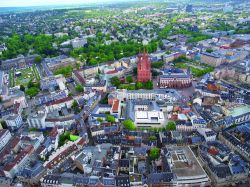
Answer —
127 93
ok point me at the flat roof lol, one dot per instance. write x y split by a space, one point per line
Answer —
185 164
240 110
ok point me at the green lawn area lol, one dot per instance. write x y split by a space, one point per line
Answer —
67 136
11 78
127 86
26 75
196 71
66 71
36 73
73 137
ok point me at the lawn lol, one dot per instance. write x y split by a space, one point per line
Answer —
27 74
36 73
127 86
66 71
197 71
11 78
73 137
67 136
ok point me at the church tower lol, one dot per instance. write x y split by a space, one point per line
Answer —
144 68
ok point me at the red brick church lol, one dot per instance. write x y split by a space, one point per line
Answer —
143 68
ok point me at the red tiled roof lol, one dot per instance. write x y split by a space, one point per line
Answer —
63 100
53 132
79 77
14 142
61 156
2 132
115 105
16 107
7 149
112 72
1 173
27 150
59 119
40 149
212 87
213 151
81 142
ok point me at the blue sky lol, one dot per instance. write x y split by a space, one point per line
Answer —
17 3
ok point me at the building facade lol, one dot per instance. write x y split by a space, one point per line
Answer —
212 59
5 137
144 68
175 78
14 121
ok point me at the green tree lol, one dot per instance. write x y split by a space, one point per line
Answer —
63 138
38 59
129 124
209 50
157 65
110 118
149 85
4 124
182 58
152 138
135 71
75 107
104 100
79 88
139 85
66 71
129 79
32 92
154 73
154 153
43 45
22 88
234 125
99 119
30 84
115 81
171 126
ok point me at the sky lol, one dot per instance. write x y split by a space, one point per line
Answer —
23 3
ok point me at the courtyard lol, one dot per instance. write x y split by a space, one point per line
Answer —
23 76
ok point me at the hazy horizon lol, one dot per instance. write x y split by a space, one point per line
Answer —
28 3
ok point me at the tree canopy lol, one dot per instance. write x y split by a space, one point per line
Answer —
38 59
33 91
79 88
171 126
75 107
115 81
129 79
110 118
22 87
154 153
4 124
129 124
40 44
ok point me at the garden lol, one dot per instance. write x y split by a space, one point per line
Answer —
24 76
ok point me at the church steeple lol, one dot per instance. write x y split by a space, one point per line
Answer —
144 67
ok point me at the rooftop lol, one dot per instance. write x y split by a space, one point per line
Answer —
240 110
185 163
